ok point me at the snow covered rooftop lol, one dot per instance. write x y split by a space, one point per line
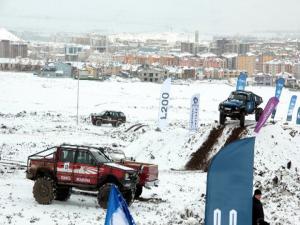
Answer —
207 55
230 55
6 35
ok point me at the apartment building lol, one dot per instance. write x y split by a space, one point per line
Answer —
246 63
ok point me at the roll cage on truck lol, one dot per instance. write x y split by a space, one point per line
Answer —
57 169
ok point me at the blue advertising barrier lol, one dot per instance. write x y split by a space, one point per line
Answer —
229 185
298 116
241 82
278 90
291 108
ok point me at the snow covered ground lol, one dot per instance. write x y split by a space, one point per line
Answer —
39 112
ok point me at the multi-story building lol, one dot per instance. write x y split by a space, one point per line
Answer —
264 79
4 49
246 63
261 59
296 70
72 52
189 73
231 73
187 47
12 46
224 45
152 74
99 43
274 67
18 49
196 36
230 61
243 48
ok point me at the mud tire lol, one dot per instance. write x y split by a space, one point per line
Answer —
242 119
103 195
138 191
258 113
222 118
63 193
129 197
44 190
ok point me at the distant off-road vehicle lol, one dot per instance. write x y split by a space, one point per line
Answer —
238 105
115 118
148 173
56 170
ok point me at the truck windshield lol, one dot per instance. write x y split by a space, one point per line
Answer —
238 96
100 157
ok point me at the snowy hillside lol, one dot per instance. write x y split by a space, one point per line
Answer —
38 112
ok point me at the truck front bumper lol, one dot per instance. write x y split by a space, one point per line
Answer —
150 184
29 175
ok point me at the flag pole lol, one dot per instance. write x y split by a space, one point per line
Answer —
77 95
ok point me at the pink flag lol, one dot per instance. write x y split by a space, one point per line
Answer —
272 103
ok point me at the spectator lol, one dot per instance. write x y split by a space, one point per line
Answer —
258 217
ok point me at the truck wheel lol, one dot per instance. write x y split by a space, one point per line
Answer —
43 190
138 191
258 113
222 118
242 119
98 122
129 197
63 193
103 195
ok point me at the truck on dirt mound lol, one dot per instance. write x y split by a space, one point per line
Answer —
56 170
148 173
115 118
238 105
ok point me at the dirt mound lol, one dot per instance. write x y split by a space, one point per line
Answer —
198 159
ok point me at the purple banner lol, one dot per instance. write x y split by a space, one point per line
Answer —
271 105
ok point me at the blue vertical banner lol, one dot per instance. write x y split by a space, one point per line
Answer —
298 117
229 185
164 101
291 108
278 90
241 82
194 113
117 212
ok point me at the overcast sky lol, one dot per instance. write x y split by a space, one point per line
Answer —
230 16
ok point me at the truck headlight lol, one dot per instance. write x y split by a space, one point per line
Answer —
127 176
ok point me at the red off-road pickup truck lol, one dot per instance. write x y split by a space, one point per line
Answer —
148 173
56 170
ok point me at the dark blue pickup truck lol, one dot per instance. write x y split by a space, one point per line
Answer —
238 105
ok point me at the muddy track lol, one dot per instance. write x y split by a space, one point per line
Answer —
139 127
134 125
198 159
236 133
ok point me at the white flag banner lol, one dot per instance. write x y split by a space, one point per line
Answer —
164 104
194 114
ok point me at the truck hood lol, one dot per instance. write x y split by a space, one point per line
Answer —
118 166
232 103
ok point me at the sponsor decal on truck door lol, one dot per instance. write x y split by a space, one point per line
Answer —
85 168
65 165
